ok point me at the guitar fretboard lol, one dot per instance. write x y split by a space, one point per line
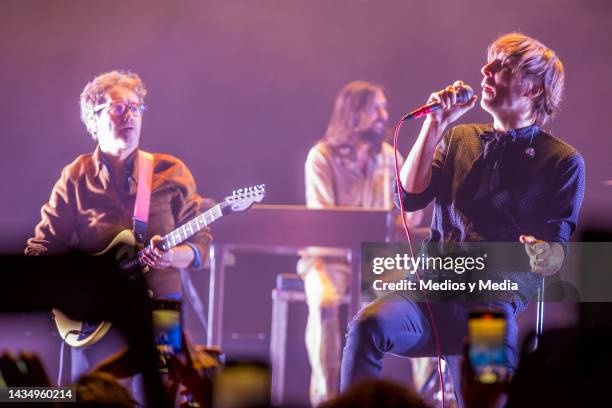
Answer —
240 200
191 228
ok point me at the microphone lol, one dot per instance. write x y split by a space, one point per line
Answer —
464 93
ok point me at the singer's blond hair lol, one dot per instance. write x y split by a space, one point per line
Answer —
539 66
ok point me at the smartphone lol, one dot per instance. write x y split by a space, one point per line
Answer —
168 329
487 331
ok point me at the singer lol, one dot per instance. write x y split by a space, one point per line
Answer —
501 182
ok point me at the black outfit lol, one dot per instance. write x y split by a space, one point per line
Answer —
487 187
493 187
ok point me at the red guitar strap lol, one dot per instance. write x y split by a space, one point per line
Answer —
144 162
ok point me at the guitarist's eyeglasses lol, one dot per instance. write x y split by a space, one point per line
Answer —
118 109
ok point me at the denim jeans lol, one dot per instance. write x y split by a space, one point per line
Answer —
395 324
85 359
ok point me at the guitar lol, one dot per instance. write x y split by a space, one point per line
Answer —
123 249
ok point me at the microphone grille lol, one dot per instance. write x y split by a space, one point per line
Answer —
464 93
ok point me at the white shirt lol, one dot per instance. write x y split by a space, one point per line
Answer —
334 178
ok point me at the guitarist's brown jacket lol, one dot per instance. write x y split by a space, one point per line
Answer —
87 208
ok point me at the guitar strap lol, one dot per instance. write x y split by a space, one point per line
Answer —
143 195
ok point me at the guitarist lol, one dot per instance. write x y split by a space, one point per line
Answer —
94 198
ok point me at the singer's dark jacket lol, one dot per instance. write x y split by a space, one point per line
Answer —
535 186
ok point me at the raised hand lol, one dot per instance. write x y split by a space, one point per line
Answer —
451 110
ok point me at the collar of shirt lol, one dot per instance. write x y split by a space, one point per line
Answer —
513 135
494 146
102 167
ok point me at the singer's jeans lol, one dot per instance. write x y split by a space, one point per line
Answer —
398 325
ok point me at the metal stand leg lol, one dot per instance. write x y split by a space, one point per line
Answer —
215 296
278 346
355 288
281 301
539 316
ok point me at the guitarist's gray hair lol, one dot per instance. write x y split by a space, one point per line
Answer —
94 92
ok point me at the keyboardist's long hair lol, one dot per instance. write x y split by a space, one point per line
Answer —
352 99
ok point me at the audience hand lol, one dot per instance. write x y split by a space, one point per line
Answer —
193 370
25 370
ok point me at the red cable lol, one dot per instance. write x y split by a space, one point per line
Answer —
409 238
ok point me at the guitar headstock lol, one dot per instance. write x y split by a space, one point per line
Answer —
243 198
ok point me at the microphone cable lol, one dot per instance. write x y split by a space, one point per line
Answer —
409 239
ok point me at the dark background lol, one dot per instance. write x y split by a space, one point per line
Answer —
240 90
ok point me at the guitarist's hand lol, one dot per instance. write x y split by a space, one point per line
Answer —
178 257
155 257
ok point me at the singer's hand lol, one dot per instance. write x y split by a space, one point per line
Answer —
451 110
545 258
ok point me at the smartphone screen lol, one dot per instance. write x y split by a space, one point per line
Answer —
487 354
168 327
